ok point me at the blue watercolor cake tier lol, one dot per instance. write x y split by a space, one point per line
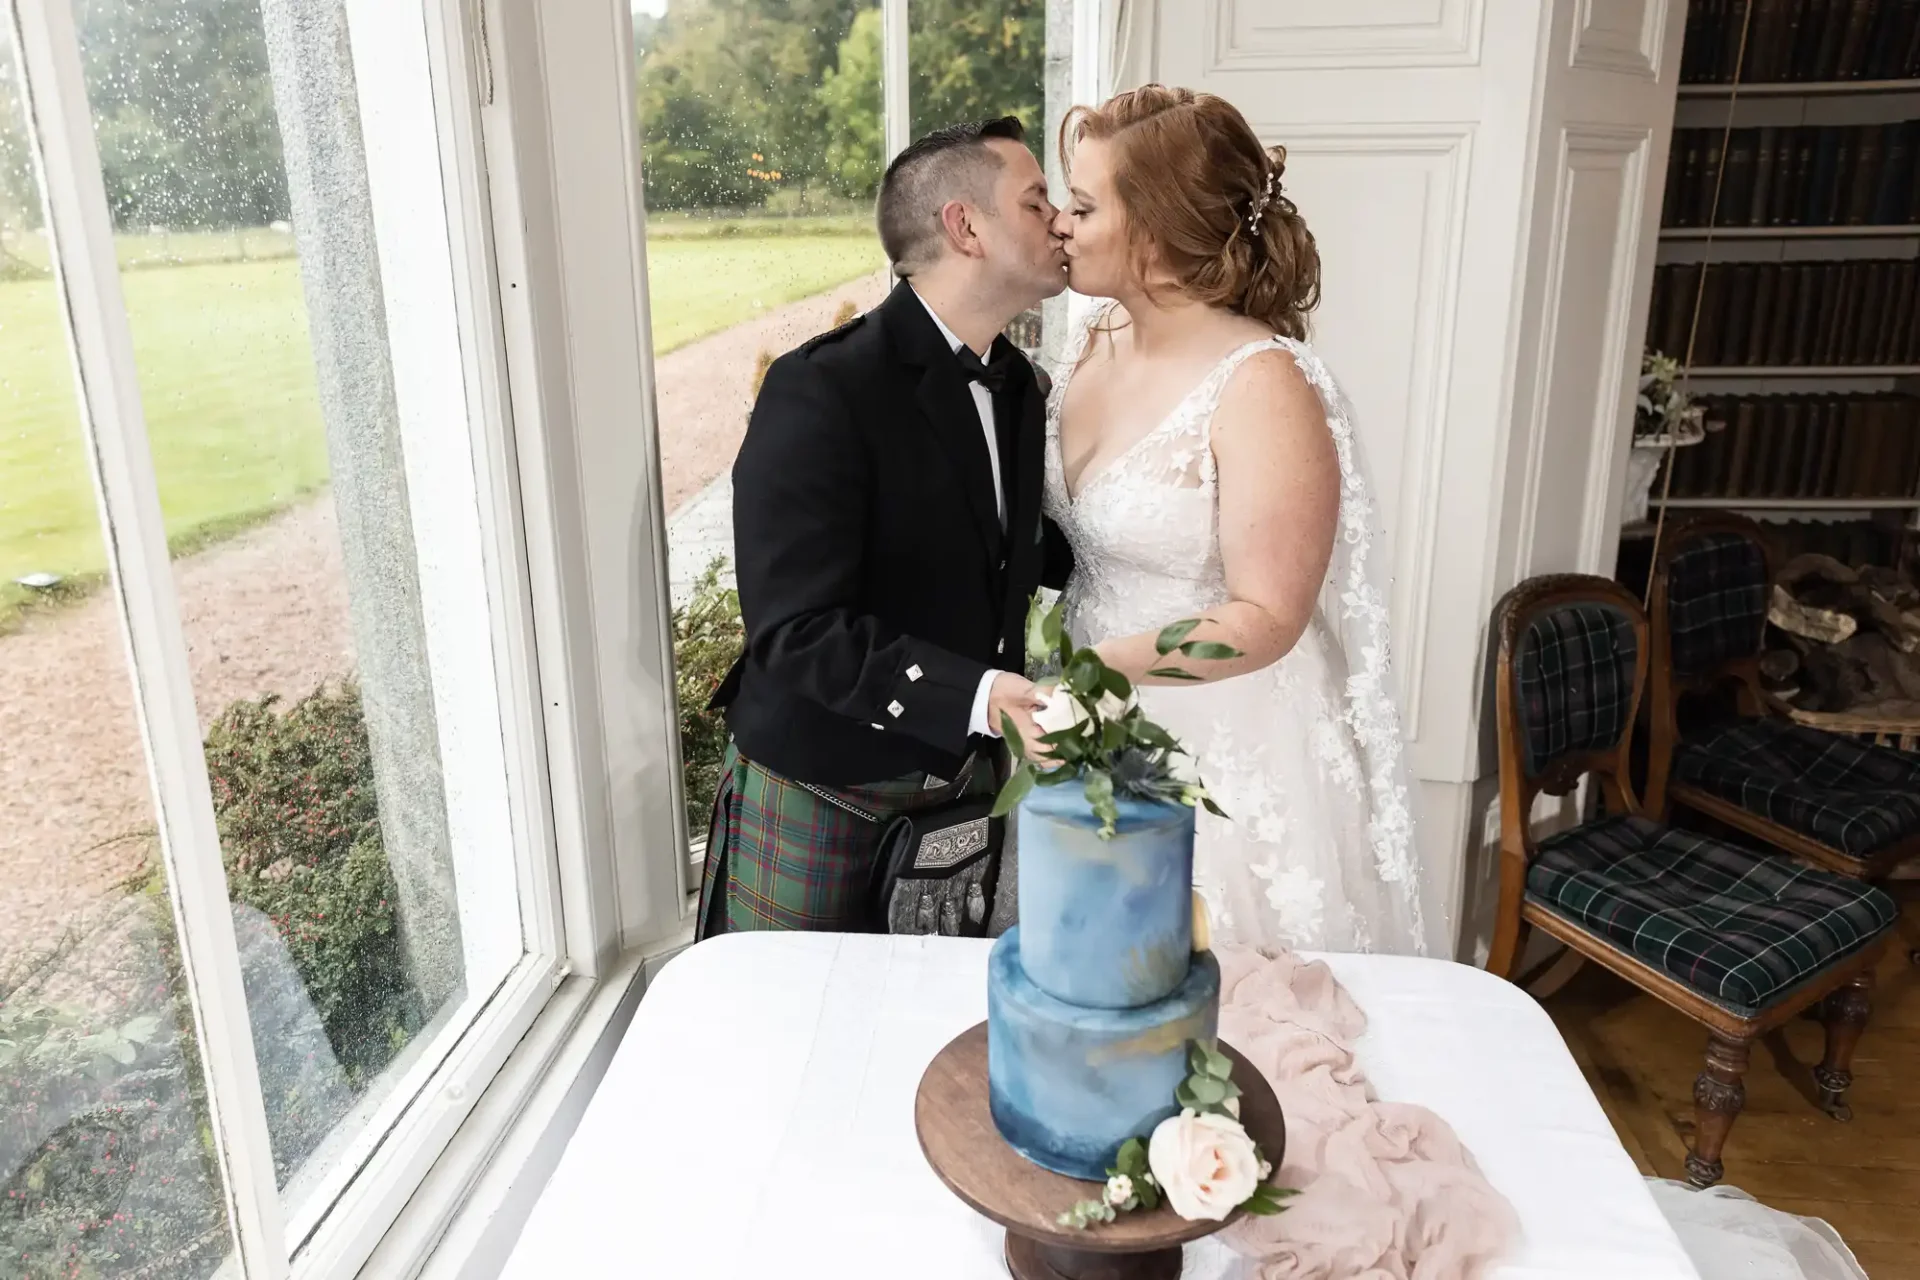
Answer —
1108 923
1067 1083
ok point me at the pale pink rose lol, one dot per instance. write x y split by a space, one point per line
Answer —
1205 1163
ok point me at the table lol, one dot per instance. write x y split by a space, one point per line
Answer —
757 1120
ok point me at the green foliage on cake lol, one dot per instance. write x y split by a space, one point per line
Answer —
1093 728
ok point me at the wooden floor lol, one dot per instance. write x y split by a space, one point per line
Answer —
1863 1177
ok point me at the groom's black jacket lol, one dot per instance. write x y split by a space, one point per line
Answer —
875 582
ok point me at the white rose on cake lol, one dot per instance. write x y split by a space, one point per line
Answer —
1206 1164
1062 711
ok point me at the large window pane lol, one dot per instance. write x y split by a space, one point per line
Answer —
978 60
106 1167
236 173
761 128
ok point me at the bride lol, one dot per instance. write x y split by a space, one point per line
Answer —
1202 462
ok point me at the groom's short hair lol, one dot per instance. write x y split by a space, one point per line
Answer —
954 163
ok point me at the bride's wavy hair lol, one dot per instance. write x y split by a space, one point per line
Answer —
1204 203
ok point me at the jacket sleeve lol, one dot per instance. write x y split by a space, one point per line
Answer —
801 499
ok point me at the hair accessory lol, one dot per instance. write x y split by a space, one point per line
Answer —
1268 191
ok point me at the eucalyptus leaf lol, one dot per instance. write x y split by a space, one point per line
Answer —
1132 1160
1014 792
1172 673
1207 1091
1210 650
1217 1064
1039 644
1170 637
1011 733
1116 684
1149 734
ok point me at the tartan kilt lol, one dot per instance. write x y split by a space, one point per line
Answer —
783 858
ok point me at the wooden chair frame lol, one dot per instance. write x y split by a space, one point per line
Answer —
1843 992
1669 686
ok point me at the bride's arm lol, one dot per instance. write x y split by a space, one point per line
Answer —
1279 494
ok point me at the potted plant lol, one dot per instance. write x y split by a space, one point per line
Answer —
1665 417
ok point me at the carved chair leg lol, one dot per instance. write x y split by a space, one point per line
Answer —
1846 1012
1718 1095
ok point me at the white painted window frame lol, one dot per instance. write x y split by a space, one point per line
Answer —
445 337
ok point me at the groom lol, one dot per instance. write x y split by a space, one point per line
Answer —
888 536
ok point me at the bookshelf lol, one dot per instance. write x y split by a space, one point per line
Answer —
1789 233
1807 281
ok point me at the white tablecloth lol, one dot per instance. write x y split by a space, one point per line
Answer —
757 1121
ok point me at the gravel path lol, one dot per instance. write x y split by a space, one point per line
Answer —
706 387
267 612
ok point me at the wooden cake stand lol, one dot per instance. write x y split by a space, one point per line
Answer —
959 1139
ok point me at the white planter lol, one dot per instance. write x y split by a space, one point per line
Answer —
1643 466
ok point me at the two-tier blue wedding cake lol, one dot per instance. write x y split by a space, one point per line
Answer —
1093 997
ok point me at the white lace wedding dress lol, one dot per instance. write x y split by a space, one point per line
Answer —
1305 756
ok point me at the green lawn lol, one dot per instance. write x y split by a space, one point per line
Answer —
227 382
702 284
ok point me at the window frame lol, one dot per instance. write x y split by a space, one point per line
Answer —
444 344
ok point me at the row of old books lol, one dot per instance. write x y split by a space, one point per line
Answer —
1825 175
1800 40
1861 311
1855 543
1806 446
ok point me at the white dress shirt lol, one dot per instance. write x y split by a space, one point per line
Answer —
983 404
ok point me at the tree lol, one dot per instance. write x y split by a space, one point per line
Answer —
728 99
732 91
850 96
978 59
183 109
967 60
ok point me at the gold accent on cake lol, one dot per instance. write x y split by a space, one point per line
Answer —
1202 931
1151 1044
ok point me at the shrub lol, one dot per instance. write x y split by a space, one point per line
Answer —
300 837
107 1166
707 637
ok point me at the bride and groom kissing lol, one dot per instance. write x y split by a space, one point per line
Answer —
909 480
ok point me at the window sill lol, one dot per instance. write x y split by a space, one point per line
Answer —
464 1220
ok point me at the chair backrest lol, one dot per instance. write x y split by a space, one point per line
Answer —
1572 665
1572 662
1712 582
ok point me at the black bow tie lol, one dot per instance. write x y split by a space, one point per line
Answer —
994 373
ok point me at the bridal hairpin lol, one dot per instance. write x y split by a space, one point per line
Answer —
1268 191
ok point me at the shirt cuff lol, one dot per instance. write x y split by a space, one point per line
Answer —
978 722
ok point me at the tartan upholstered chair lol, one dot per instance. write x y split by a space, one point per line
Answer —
1836 802
1739 941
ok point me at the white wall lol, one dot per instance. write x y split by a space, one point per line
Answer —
1482 178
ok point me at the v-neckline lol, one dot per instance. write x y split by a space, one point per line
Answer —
1060 424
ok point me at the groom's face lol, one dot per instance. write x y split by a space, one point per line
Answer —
1021 251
